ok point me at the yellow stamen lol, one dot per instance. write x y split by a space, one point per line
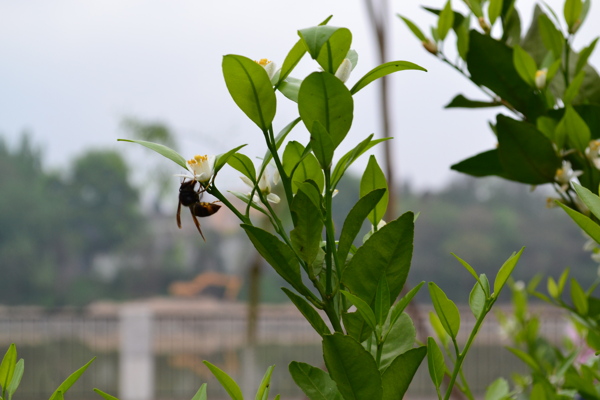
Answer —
263 62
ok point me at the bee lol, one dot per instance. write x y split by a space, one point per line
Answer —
190 197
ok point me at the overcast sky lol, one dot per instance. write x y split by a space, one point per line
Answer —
72 69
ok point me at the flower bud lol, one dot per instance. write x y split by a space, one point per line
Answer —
430 47
344 70
540 78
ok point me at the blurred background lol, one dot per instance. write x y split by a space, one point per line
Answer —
87 225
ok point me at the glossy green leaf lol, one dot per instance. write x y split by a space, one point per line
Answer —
363 308
302 165
574 88
314 382
551 37
107 396
162 150
494 10
498 390
291 60
383 70
400 338
477 300
352 368
397 377
591 200
525 153
399 307
347 159
311 315
324 98
413 28
243 164
232 388
355 219
445 309
15 381
335 50
580 300
482 164
251 89
467 267
525 65
435 363
505 271
438 329
66 385
373 179
572 11
461 101
7 367
388 251
201 393
278 255
574 129
279 139
356 326
263 388
308 227
382 301
290 88
222 159
315 39
584 55
322 145
445 21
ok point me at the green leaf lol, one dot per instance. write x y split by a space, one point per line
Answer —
438 328
200 394
290 88
445 21
362 307
382 301
291 60
335 50
251 89
551 37
572 12
311 315
16 378
490 64
547 126
526 358
308 227
498 390
573 89
324 98
232 389
591 200
525 153
477 300
243 164
372 179
413 28
245 197
347 159
398 376
107 396
505 271
580 300
355 219
584 55
462 37
314 382
7 367
263 388
435 363
301 165
467 267
352 368
482 164
278 255
279 139
525 65
399 307
461 101
383 70
445 309
574 129
494 10
66 385
222 159
322 145
399 339
388 251
162 150
356 326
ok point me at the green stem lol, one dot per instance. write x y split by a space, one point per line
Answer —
332 315
215 192
379 352
286 181
466 389
566 67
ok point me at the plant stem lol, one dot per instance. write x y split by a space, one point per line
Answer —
215 192
332 314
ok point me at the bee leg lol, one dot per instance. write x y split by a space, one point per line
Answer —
197 223
179 215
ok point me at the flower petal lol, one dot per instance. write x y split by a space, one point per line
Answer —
273 198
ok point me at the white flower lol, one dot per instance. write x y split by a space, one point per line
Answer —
344 70
201 168
565 175
540 78
269 66
593 153
264 185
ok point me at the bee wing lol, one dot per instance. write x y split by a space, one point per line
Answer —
197 223
179 215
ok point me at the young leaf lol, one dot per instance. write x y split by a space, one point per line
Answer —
494 10
232 388
311 315
66 385
445 309
222 159
398 376
398 308
291 60
383 70
7 367
413 28
338 45
279 139
467 267
388 251
551 37
435 363
445 21
314 382
573 89
574 128
315 38
372 179
162 150
243 164
382 301
107 396
347 159
352 368
363 308
16 378
200 394
591 200
579 298
438 328
290 88
572 11
588 225
324 98
251 89
398 339
356 326
584 55
477 300
322 145
505 271
263 389
525 65
498 390
308 227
